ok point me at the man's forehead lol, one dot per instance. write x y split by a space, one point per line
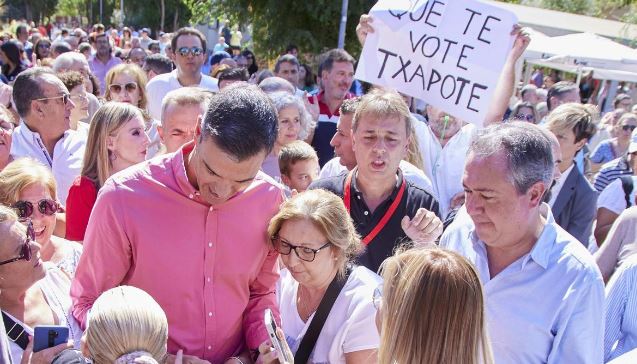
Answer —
188 40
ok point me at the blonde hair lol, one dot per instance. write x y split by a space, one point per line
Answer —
107 120
579 118
140 78
381 103
124 320
327 212
20 174
414 156
433 310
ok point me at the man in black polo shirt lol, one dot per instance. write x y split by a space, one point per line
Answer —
387 210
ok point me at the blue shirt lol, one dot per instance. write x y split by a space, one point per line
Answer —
546 307
621 311
611 171
603 153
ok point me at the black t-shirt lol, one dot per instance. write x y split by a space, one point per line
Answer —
392 235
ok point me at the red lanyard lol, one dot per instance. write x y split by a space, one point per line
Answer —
388 214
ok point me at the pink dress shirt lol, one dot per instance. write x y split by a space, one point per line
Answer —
100 69
211 269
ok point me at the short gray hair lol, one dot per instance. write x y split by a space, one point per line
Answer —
65 61
286 58
275 84
186 96
26 88
282 99
527 150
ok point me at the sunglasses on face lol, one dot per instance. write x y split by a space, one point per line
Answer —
185 51
46 206
628 127
129 87
44 46
527 117
65 98
25 250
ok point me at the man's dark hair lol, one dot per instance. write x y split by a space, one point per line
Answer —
60 46
233 74
286 58
621 97
21 28
331 56
291 47
242 121
558 90
188 31
26 88
158 63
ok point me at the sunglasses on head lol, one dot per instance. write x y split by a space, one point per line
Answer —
46 206
185 51
25 249
628 127
117 88
65 98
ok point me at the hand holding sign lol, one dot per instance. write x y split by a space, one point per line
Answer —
448 53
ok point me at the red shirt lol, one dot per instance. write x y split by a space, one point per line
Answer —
79 204
325 129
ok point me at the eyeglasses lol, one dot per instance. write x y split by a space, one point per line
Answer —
304 253
25 251
117 88
46 206
628 127
527 117
79 97
377 298
185 51
65 98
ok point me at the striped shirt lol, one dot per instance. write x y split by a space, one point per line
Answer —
611 171
621 311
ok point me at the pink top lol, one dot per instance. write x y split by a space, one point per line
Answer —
211 269
100 69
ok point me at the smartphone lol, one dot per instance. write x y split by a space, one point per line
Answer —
270 324
49 336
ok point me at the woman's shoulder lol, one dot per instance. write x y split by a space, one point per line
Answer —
362 280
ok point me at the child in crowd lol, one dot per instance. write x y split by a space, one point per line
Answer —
299 165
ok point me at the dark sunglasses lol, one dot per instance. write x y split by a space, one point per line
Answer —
65 98
527 117
44 45
628 127
117 88
25 250
46 206
185 51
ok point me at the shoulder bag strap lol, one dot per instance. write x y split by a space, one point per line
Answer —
627 185
311 335
15 331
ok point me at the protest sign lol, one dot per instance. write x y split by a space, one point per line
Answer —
449 53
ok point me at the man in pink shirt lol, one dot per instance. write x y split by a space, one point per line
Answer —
190 228
103 60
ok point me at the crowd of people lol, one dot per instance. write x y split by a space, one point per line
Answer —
157 196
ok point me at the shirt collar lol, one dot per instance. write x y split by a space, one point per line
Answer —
179 169
393 194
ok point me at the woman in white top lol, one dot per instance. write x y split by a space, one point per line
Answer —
294 123
29 187
33 292
317 240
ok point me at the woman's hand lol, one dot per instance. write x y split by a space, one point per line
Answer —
269 355
44 356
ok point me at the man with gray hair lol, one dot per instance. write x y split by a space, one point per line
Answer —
74 61
44 105
180 112
276 84
287 67
544 294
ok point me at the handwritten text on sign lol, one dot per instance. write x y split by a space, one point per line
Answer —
447 52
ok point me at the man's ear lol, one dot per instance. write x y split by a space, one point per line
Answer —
198 130
286 180
536 194
579 145
160 131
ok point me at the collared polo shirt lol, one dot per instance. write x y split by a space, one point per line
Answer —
392 235
325 129
100 69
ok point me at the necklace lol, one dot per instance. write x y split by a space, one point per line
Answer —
307 310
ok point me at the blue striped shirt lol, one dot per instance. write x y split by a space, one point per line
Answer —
611 171
621 311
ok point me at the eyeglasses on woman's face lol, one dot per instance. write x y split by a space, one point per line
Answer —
302 252
25 249
46 206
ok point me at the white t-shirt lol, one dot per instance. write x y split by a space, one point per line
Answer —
412 174
160 85
349 327
613 197
444 166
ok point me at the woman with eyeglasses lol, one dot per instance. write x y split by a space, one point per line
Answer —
431 310
42 48
33 292
317 242
116 140
127 83
74 82
524 111
29 187
616 147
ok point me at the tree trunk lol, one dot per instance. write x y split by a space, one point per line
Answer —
162 6
28 11
175 21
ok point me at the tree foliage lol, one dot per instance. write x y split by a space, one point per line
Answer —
311 25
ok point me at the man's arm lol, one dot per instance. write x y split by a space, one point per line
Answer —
506 83
107 252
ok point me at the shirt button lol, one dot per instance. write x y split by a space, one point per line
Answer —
209 347
358 196
366 213
211 208
210 244
209 314
208 279
191 196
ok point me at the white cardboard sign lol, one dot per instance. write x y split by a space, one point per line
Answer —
449 53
